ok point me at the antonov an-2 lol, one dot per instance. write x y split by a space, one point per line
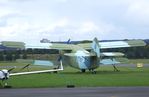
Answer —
83 56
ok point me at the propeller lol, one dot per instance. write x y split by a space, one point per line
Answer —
4 74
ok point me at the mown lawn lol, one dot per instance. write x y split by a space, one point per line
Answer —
128 76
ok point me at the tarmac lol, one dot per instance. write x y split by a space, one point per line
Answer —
77 92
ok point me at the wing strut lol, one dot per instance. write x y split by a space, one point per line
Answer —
115 69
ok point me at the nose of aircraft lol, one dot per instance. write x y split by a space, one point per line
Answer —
4 74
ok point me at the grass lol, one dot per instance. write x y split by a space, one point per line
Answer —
128 76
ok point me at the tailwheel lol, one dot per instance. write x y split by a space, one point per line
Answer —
115 69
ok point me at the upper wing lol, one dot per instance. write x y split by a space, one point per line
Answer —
61 46
115 44
12 44
20 45
103 45
121 44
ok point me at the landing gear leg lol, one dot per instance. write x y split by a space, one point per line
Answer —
6 85
92 71
3 84
115 69
83 70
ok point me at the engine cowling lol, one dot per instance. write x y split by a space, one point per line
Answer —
4 74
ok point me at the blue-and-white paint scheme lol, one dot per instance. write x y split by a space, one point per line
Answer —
82 57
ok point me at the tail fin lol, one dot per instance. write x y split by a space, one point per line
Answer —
68 42
96 47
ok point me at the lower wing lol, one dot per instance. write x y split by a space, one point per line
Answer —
41 63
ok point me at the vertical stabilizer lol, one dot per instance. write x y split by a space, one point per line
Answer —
96 47
69 41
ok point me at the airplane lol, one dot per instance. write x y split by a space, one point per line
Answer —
82 56
88 56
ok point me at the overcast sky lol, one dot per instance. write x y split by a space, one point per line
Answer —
32 20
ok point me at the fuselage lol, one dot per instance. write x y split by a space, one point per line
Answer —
81 59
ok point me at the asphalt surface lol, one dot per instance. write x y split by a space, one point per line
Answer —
77 92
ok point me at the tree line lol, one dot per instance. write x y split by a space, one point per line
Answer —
132 53
12 55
